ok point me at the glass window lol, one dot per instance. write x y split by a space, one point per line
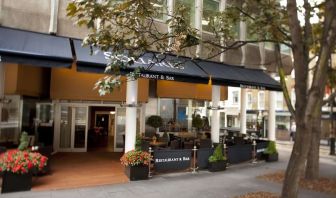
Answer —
249 100
161 8
235 97
261 100
210 7
10 119
279 101
190 10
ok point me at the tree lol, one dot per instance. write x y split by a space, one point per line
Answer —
129 27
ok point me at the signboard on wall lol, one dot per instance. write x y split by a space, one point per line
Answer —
172 159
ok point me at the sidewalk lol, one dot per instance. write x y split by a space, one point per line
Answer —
236 180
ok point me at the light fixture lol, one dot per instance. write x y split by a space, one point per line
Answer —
130 105
5 100
112 112
215 108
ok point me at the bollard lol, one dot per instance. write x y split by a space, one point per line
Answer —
194 168
150 161
254 152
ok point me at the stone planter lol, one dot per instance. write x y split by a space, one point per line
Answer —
12 182
272 157
217 166
135 173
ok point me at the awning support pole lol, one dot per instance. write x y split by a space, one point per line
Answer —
243 101
215 114
131 113
271 115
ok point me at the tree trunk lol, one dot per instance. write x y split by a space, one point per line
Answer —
297 161
312 168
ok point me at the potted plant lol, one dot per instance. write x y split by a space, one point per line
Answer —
17 167
271 153
136 163
154 121
217 161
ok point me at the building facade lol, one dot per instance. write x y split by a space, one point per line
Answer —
58 105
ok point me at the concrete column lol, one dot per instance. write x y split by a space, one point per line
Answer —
198 23
131 113
222 6
190 115
215 114
243 104
242 37
271 115
53 16
170 11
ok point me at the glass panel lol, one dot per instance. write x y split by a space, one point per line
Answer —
210 7
44 123
120 124
10 116
65 128
190 10
80 126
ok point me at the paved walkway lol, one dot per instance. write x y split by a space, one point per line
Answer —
236 180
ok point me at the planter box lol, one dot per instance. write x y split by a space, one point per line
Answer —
12 182
135 173
272 157
217 166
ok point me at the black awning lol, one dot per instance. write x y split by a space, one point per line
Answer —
31 48
177 68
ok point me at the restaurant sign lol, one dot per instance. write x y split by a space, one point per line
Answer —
252 87
157 76
172 159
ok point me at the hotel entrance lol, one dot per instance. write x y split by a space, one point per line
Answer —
83 127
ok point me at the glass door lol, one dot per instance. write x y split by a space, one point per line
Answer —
73 128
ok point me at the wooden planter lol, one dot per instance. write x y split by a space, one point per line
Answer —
272 157
12 182
135 173
217 166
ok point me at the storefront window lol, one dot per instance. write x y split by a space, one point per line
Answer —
261 100
235 97
10 119
190 10
210 7
279 101
249 100
174 113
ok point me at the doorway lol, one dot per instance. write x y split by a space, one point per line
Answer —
101 129
72 127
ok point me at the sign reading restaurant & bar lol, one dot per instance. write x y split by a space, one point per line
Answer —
172 159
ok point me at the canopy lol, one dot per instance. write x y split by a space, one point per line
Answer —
24 47
177 68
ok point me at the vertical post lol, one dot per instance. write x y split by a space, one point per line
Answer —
215 114
194 168
131 113
222 6
53 16
198 23
170 10
254 152
271 115
190 115
242 37
243 99
150 161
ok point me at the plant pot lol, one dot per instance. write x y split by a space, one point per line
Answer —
12 182
135 173
217 166
272 157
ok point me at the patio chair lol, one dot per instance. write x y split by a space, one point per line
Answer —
205 143
188 145
175 144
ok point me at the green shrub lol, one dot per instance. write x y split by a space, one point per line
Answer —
154 121
138 142
24 141
217 154
271 148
